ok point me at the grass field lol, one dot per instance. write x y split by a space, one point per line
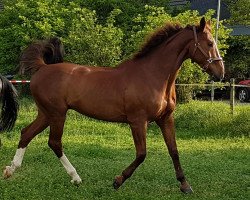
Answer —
214 150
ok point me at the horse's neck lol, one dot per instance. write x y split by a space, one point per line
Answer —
165 61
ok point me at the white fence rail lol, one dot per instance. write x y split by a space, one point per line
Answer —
212 85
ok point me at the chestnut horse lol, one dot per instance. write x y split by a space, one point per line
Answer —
138 91
8 95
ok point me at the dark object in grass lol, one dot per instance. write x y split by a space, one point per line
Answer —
139 90
10 106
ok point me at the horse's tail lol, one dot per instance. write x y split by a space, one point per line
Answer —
9 105
41 53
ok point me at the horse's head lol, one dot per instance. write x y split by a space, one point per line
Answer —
204 51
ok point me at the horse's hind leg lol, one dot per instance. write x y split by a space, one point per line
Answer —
55 143
139 135
27 134
166 123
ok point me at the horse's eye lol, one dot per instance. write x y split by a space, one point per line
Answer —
210 44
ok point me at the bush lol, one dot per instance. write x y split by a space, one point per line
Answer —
129 8
24 21
91 43
238 57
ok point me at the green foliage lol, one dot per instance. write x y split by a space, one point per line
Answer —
29 20
129 8
23 22
91 43
153 18
239 10
238 60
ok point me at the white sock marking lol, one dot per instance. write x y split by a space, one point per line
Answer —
18 158
70 169
17 162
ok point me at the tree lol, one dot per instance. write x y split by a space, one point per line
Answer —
239 10
129 9
237 59
91 43
23 21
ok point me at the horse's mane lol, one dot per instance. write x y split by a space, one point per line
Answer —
48 51
158 37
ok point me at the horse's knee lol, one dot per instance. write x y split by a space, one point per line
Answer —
56 147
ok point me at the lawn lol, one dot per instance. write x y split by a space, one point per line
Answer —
214 150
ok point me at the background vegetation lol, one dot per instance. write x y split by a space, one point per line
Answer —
213 145
239 10
95 32
237 58
105 32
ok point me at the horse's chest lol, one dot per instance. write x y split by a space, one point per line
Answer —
161 107
158 108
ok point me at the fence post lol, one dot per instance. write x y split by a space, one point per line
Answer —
232 94
212 91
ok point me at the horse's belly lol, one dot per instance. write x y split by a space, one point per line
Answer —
106 112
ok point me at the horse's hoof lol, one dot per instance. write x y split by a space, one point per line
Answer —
117 182
76 182
186 188
7 172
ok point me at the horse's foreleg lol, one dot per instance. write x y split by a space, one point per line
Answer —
139 135
167 127
55 143
27 134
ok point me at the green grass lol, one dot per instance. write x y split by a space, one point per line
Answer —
213 119
216 162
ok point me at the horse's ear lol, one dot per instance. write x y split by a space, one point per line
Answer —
202 24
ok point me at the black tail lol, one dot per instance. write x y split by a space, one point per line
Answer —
9 105
41 53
